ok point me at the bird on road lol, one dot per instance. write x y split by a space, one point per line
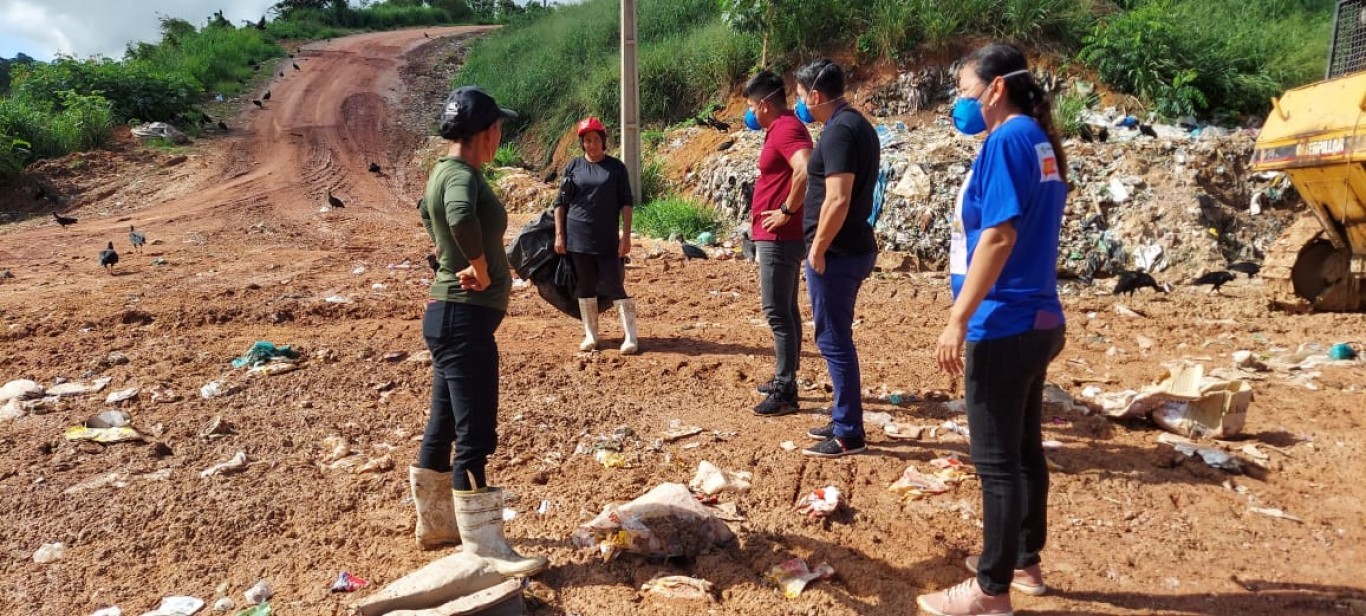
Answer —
282 73
258 104
424 35
692 252
1246 267
1131 281
63 220
333 200
374 168
137 238
1147 130
222 126
296 66
1214 279
267 96
109 258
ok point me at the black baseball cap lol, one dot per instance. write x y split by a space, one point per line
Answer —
468 110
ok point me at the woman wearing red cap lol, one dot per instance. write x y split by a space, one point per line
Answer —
593 226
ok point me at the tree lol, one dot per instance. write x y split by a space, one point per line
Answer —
507 8
750 16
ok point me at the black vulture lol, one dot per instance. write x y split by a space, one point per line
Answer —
295 65
222 126
267 96
1147 130
63 220
109 258
374 168
690 251
258 104
1214 279
1131 281
333 201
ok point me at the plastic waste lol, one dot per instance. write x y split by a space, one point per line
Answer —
611 459
177 606
260 592
49 553
792 576
223 605
1342 351
260 609
108 419
711 479
821 503
265 352
679 587
666 522
237 464
346 582
677 430
102 435
1214 457
108 611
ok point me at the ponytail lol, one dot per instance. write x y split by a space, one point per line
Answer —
1022 90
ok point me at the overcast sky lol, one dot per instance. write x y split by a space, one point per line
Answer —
43 28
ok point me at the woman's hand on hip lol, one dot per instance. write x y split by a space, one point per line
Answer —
624 246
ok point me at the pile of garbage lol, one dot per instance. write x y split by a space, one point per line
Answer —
1183 201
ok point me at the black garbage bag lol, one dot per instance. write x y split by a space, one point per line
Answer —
532 256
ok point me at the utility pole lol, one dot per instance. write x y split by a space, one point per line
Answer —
630 98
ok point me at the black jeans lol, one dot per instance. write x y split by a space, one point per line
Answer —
780 274
603 275
464 391
1004 388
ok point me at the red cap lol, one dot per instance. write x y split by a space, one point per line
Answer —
590 124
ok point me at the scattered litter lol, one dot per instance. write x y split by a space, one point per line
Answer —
108 419
108 611
1057 396
1255 454
273 368
956 406
611 459
346 582
710 480
788 446
1187 403
913 484
382 464
729 512
337 299
163 394
1053 466
73 388
666 522
1214 457
821 503
177 606
545 507
1275 513
216 428
223 605
260 592
680 587
509 514
123 395
49 553
678 430
420 357
792 576
954 427
907 431
1052 444
1342 351
260 609
216 388
22 389
102 435
237 464
1126 311
878 419
1248 361
263 353
335 448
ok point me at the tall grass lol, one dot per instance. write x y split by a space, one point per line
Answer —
567 64
51 128
674 215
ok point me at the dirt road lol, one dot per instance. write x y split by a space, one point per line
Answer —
248 256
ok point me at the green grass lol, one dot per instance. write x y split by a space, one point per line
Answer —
674 215
1068 109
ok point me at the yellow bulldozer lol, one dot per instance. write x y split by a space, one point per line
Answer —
1316 135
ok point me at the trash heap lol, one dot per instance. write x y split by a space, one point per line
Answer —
1182 202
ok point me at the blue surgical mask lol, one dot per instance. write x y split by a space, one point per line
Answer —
752 120
967 116
804 113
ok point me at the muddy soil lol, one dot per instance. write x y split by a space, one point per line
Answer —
247 255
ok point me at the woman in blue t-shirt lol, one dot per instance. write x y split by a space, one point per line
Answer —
1002 267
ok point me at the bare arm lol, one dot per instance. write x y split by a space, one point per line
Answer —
834 210
624 247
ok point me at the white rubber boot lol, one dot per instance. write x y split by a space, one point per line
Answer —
627 308
480 518
435 512
588 313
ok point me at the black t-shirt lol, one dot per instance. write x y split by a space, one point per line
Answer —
848 144
600 190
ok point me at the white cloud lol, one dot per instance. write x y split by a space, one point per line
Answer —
43 28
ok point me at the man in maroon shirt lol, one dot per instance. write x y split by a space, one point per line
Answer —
777 230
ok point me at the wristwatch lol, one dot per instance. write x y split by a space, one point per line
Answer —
783 208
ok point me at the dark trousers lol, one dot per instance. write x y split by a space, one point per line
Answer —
599 275
1004 387
464 391
780 273
832 304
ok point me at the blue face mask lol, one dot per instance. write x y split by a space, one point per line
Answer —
803 113
752 120
967 116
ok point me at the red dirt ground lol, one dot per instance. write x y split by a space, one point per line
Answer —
249 257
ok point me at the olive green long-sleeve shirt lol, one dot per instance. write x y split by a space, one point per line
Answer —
466 220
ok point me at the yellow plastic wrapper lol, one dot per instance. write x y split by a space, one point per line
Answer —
102 435
792 575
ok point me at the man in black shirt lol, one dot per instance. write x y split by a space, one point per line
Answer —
841 249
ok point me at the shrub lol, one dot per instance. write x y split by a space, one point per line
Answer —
53 128
1069 109
675 215
136 90
14 153
653 183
